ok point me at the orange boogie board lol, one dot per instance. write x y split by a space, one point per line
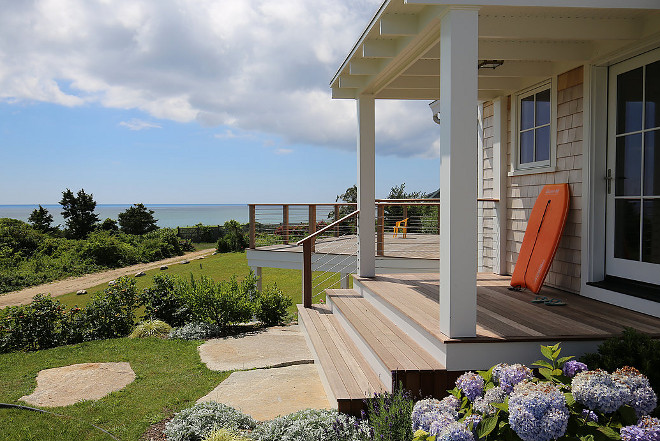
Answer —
542 235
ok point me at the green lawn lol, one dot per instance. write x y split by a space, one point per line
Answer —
169 377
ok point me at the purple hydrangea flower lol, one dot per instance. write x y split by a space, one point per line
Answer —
589 415
573 367
493 395
538 412
450 431
508 376
438 422
473 419
471 384
426 411
647 429
450 403
597 390
642 398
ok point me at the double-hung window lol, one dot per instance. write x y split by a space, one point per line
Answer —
534 127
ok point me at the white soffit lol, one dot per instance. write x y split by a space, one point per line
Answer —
398 54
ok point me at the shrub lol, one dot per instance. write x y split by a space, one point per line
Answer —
225 435
313 425
151 328
164 301
32 327
568 402
272 306
199 421
389 415
106 249
233 238
195 331
224 303
632 348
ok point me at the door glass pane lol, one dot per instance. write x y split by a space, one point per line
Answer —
651 232
652 163
652 95
527 147
629 101
527 113
543 143
628 165
626 229
543 108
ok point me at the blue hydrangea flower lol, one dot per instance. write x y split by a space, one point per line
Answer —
450 403
450 431
597 390
508 376
473 419
493 395
573 367
647 429
642 398
471 384
426 411
538 412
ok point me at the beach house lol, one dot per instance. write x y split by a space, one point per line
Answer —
525 93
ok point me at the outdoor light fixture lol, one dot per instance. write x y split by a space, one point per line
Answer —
435 108
490 64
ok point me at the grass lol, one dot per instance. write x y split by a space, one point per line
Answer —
169 377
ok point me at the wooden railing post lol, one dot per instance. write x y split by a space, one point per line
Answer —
337 218
253 225
312 222
380 231
307 274
405 212
285 223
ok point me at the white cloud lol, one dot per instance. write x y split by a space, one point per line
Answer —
138 124
259 66
283 151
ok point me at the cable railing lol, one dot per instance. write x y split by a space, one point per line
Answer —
337 258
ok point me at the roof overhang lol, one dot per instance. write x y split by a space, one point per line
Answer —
398 54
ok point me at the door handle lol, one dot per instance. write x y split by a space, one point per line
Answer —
609 179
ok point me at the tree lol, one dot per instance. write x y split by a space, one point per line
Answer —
137 219
109 225
41 219
78 210
349 196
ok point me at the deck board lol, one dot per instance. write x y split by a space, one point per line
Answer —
504 315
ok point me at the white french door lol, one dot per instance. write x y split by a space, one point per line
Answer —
633 199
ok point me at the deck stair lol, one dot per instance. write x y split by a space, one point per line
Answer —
361 351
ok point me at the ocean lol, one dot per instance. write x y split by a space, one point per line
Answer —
168 215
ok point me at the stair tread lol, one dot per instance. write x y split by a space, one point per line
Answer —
396 349
348 373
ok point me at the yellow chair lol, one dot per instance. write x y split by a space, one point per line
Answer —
401 227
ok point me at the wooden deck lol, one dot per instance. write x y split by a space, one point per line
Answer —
505 316
414 246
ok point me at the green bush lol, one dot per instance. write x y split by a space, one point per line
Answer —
272 306
313 425
233 238
225 303
165 301
199 421
151 328
32 327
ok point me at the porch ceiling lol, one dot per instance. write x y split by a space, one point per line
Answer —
398 54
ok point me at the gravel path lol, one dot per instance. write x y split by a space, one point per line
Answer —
74 284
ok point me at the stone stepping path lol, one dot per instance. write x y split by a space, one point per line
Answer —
67 385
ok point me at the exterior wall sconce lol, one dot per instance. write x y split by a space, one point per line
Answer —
435 108
490 64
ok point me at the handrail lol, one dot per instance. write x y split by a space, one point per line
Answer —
302 204
335 223
409 200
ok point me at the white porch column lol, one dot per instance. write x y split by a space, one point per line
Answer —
366 147
458 172
500 168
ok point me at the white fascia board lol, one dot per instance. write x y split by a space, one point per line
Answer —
596 4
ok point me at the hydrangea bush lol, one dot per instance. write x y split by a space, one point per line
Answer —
567 401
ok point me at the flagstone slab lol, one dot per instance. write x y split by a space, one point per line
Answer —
265 394
277 346
67 385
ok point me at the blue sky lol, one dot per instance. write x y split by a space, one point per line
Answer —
159 102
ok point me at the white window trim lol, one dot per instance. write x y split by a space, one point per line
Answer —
535 167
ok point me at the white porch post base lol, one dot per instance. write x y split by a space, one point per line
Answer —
366 146
458 172
257 272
